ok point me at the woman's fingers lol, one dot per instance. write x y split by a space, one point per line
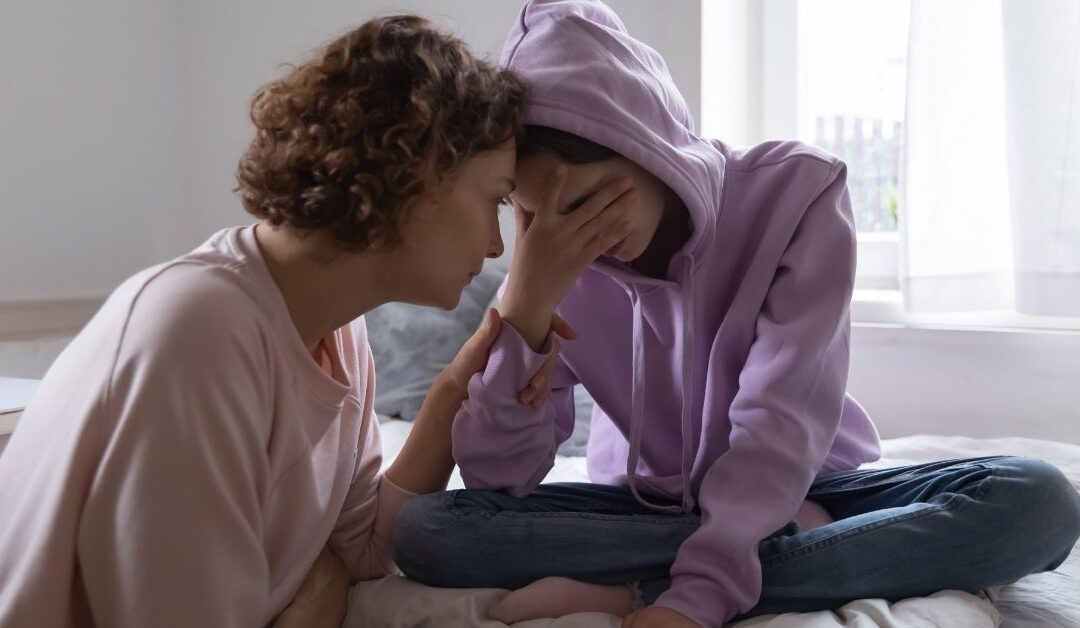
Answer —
473 355
489 331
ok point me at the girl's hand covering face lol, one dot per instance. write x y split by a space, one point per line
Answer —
554 248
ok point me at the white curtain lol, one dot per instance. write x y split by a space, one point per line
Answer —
991 174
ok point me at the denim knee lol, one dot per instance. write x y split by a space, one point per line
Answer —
421 539
1043 508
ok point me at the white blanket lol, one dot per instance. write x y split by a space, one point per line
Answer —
1042 600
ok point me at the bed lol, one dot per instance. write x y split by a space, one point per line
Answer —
1043 600
412 344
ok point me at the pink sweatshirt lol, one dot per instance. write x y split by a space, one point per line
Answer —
186 459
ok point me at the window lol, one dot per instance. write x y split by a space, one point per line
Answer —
852 68
828 72
837 73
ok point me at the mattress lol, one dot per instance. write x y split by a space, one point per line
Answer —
1051 599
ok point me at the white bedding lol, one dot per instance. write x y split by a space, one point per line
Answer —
1036 601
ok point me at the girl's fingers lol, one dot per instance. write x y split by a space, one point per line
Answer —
599 201
606 220
522 218
607 239
549 205
539 383
539 396
548 366
540 380
562 328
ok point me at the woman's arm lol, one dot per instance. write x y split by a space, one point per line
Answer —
323 598
423 466
169 532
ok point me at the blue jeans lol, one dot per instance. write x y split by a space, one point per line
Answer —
902 532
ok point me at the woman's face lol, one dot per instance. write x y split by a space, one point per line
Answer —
582 180
448 235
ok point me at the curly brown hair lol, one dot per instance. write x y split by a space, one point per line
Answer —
344 142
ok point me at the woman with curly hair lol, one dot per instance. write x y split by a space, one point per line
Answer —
195 449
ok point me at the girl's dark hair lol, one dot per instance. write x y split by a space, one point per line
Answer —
344 142
567 146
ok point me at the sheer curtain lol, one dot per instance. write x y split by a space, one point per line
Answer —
991 174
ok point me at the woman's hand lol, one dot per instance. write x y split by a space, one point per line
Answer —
473 357
658 617
323 597
553 250
426 459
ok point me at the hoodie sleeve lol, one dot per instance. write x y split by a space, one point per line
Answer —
499 443
783 419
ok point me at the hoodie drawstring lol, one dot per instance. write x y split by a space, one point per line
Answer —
637 404
689 391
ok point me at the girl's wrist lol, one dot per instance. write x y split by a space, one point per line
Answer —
532 326
530 318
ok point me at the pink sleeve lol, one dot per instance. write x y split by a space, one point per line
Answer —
363 535
170 531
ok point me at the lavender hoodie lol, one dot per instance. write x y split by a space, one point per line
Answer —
719 388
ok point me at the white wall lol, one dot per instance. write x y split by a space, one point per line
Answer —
121 121
983 383
225 68
89 144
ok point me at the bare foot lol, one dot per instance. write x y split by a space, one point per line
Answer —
812 515
555 597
